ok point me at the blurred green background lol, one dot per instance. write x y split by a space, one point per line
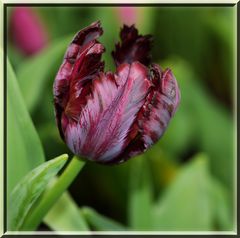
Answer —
184 182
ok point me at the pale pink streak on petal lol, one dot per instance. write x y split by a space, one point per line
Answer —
159 117
132 99
104 90
103 128
160 108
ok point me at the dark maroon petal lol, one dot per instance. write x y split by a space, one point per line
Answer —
159 107
154 116
58 116
81 59
105 121
154 124
170 89
81 64
86 68
106 117
88 34
133 47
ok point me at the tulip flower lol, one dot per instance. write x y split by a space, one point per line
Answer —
27 31
110 117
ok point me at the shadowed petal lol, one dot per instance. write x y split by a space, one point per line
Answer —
86 68
154 116
159 107
81 44
170 89
133 47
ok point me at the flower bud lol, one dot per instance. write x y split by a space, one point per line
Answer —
110 117
27 31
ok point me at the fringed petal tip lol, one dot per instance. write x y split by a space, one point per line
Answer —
133 47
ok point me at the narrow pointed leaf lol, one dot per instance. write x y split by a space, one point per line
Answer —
186 205
65 216
29 189
24 149
100 222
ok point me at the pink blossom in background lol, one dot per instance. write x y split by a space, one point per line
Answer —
127 15
27 30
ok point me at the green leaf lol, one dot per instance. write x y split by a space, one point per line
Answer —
100 222
14 55
29 189
140 195
65 216
186 204
24 149
35 72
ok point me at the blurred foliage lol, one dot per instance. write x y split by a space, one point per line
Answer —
99 222
140 198
32 75
185 182
71 218
205 117
187 203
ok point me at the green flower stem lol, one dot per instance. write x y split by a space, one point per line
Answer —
51 195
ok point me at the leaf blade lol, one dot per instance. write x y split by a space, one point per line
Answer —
21 135
192 210
70 218
28 190
100 222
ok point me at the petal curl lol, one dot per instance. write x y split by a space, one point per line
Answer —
82 62
80 46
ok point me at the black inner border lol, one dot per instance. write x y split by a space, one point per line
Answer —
5 5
